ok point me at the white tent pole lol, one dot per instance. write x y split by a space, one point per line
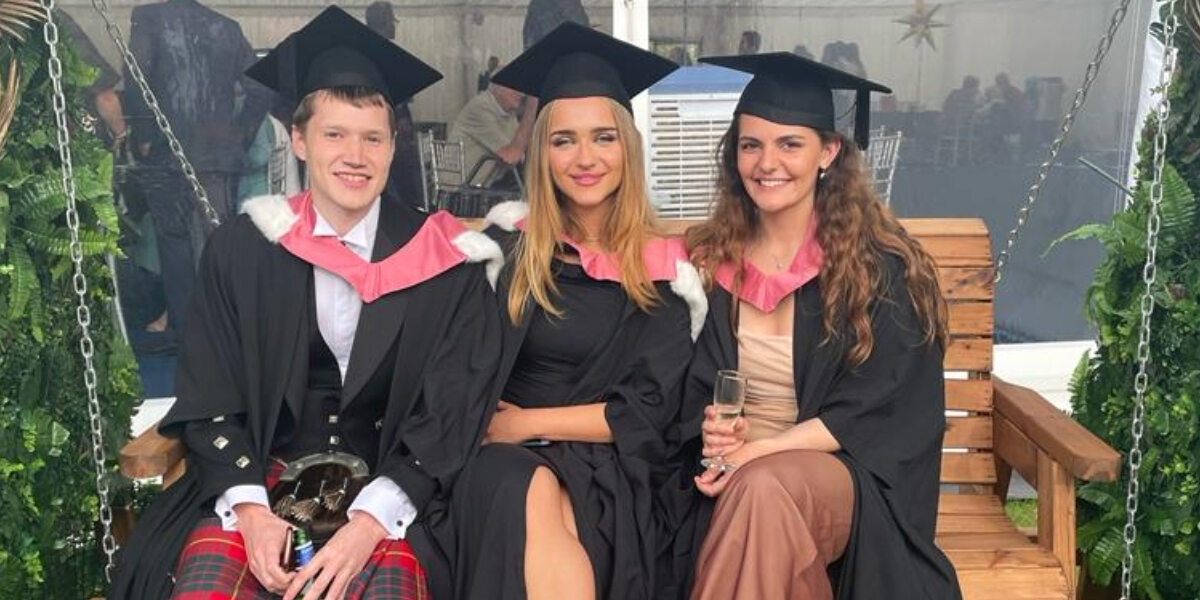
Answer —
631 22
1148 98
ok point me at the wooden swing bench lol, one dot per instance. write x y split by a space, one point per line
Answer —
993 428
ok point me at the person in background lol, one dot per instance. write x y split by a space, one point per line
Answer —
487 127
193 58
103 101
485 78
751 43
404 180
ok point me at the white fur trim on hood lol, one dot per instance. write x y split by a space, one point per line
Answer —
481 248
506 215
688 285
271 214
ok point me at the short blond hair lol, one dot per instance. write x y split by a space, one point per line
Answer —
358 96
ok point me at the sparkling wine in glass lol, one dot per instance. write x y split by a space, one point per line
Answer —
729 396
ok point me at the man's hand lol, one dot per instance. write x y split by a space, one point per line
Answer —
264 535
510 154
506 426
340 560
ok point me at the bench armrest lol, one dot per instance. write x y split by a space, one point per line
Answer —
151 455
1068 443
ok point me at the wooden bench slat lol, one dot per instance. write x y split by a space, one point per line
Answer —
1012 558
968 467
962 251
967 283
945 227
968 432
994 523
969 354
969 394
1014 584
969 504
1013 540
971 319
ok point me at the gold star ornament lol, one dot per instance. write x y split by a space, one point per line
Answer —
921 24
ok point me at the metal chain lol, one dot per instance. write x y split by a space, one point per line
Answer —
1035 190
1141 381
135 71
83 315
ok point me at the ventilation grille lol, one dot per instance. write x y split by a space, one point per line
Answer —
685 130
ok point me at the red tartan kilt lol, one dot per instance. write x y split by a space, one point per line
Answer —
213 566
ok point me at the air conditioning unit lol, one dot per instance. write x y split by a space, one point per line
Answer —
689 112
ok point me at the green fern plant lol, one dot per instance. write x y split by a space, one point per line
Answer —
1165 556
48 547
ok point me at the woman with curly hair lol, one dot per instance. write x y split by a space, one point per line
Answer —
827 486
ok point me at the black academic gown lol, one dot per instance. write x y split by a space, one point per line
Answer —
888 416
637 367
429 350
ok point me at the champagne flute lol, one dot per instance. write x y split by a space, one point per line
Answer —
729 396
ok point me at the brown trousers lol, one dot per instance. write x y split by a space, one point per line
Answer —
778 524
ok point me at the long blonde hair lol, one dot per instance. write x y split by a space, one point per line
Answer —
630 222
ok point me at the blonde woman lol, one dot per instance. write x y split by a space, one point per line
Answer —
601 312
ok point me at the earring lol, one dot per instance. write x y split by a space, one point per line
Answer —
821 173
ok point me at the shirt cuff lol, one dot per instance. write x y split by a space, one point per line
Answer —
388 504
238 494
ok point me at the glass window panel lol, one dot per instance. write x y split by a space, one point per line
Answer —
963 153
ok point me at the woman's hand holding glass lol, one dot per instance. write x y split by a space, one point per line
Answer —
724 444
722 437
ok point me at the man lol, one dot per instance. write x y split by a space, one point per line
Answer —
965 100
960 107
192 58
544 16
102 99
487 126
750 43
369 383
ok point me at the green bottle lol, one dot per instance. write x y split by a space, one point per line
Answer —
302 547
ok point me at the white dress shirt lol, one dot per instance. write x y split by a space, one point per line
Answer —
338 308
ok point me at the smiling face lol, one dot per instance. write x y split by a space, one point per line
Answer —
585 152
778 164
348 150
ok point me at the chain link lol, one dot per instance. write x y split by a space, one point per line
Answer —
83 315
1141 381
135 71
1035 190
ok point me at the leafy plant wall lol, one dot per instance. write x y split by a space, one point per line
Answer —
48 504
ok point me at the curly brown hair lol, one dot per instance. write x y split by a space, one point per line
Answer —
856 233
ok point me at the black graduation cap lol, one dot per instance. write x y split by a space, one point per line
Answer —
575 61
335 50
793 90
